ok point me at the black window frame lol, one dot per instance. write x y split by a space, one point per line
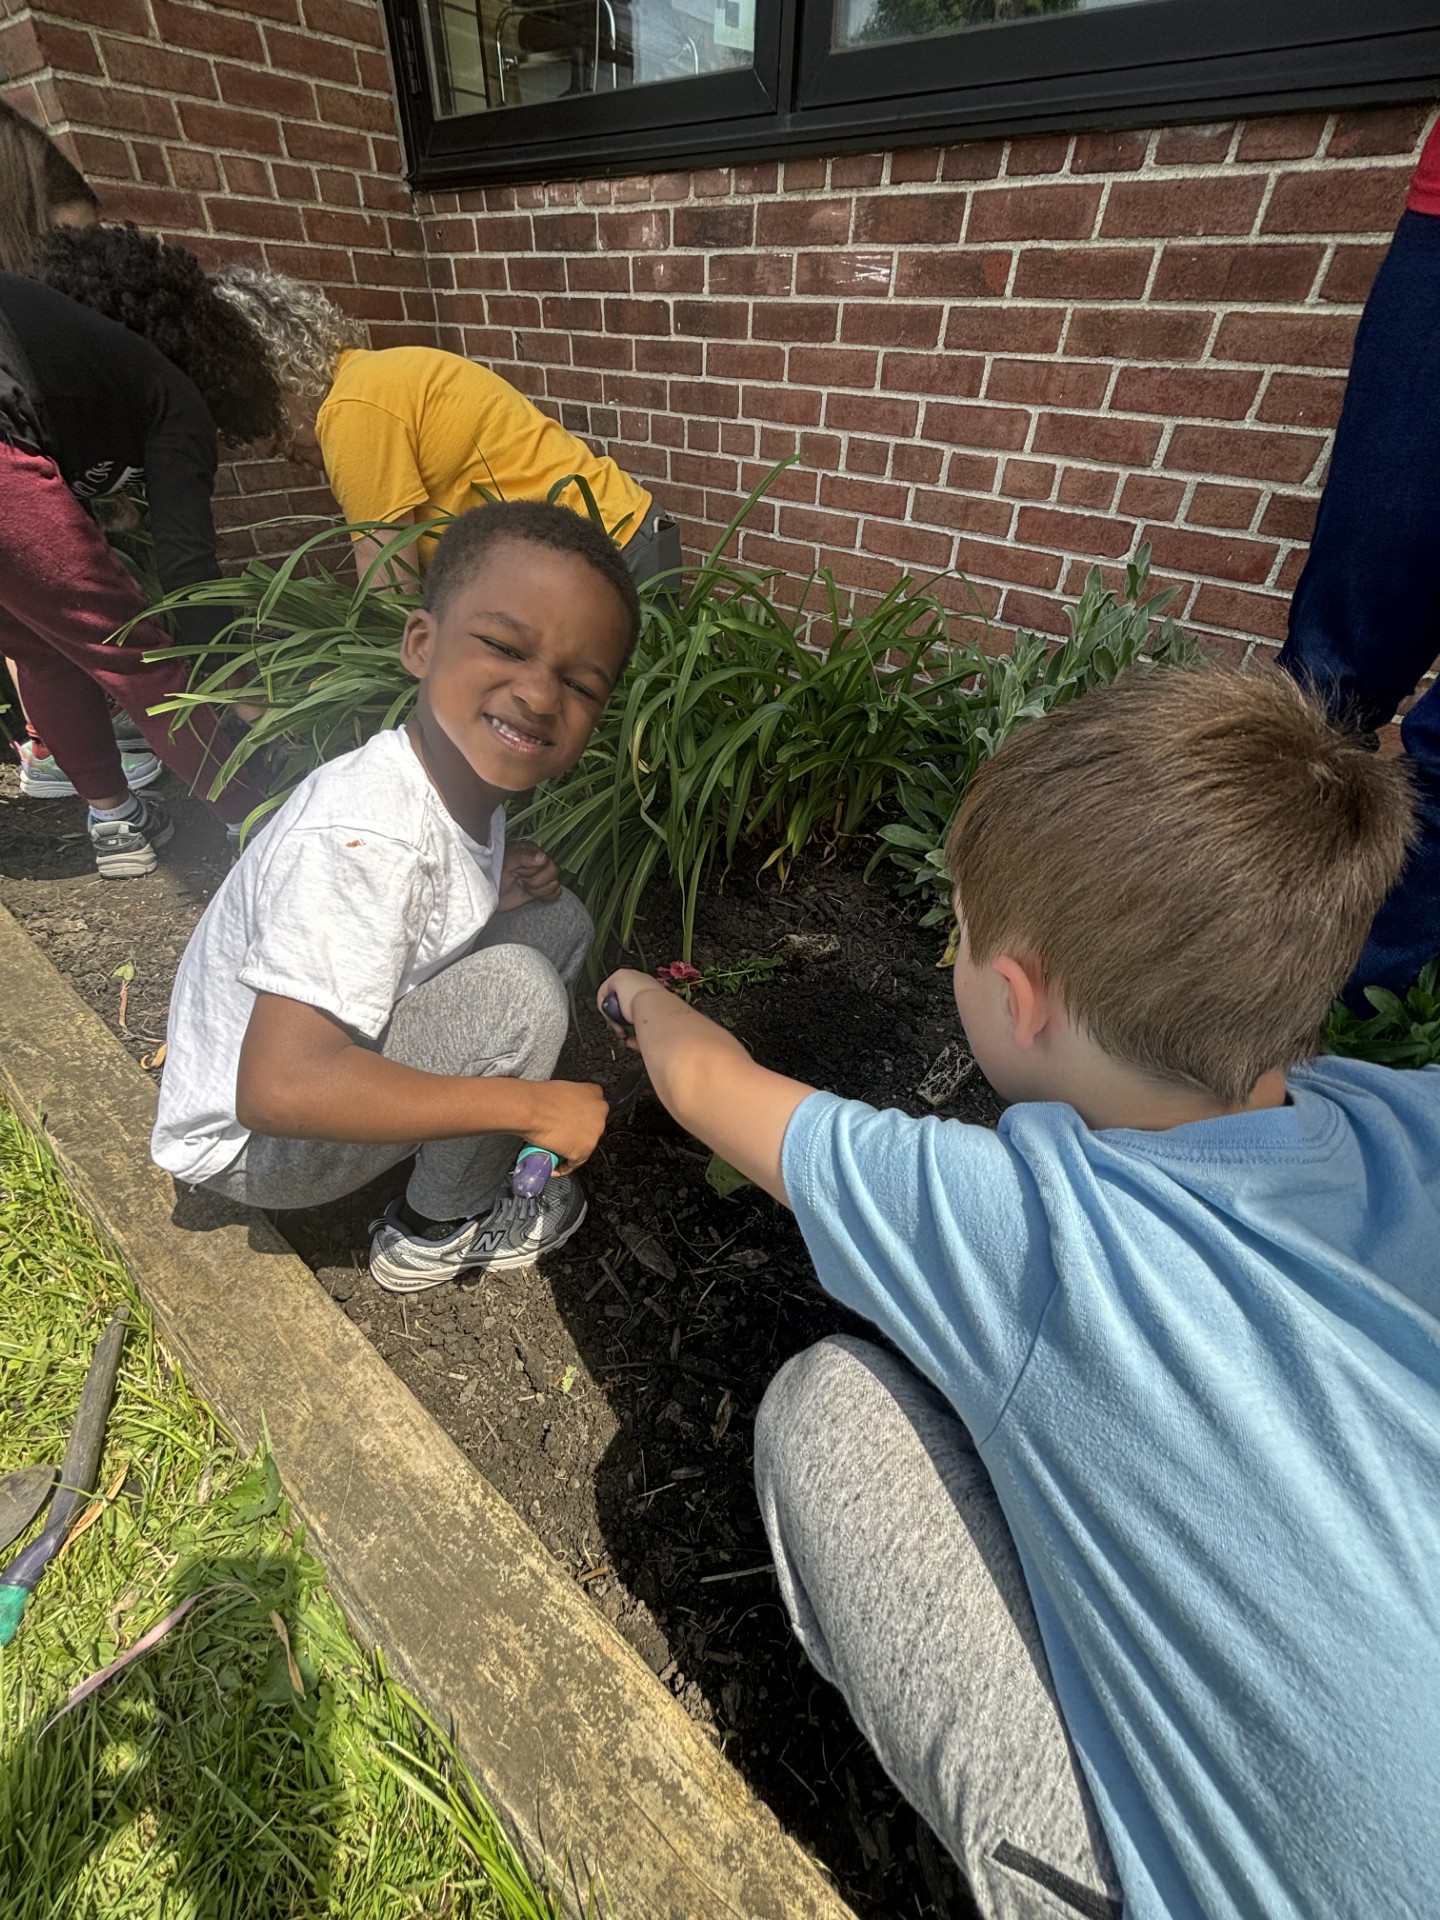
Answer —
1130 65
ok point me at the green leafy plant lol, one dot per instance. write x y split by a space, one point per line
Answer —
1404 1030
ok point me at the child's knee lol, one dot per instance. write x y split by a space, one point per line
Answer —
805 1413
536 1001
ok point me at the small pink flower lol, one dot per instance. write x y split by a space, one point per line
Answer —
679 973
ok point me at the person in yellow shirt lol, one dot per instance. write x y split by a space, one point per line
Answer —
408 434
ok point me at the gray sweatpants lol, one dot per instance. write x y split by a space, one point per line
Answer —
500 1012
904 1588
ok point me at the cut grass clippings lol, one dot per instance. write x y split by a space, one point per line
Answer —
255 1764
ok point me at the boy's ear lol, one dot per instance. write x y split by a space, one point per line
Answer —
1027 1004
416 642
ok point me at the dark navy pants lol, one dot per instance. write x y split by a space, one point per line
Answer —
1365 621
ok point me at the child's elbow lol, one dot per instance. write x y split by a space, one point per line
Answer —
264 1104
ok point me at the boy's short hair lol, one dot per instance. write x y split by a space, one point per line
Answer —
1193 858
470 536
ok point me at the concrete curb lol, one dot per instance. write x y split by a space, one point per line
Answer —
595 1767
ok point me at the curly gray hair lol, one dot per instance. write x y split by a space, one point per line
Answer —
304 332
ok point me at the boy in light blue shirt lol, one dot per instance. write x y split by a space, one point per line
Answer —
1130 1569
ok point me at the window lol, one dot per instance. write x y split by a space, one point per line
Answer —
522 89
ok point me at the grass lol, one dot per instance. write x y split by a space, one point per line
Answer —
201 1783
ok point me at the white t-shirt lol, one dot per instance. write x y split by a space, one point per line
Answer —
360 888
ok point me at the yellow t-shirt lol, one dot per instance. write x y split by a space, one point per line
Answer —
409 427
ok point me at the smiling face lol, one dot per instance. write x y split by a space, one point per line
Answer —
514 670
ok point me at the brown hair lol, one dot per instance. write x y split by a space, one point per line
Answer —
35 178
1192 857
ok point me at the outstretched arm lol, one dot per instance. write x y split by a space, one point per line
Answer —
706 1079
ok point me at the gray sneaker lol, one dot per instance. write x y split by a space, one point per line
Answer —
125 849
514 1233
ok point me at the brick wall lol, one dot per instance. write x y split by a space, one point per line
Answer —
258 132
1015 358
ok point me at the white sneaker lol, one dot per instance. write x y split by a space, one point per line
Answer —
514 1233
41 778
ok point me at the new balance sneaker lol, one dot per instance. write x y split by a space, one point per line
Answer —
514 1233
125 849
41 778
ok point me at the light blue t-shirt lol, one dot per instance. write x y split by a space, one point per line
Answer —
1203 1369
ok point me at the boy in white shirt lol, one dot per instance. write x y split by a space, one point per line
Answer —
380 975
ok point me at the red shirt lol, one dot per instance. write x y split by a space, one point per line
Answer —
1425 187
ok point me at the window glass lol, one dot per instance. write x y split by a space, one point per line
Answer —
516 53
861 23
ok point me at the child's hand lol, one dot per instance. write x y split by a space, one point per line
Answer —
626 984
569 1118
528 874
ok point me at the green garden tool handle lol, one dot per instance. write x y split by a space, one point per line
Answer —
77 1477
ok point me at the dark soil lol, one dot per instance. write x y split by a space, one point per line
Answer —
610 1395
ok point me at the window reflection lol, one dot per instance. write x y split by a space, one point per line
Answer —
509 53
862 23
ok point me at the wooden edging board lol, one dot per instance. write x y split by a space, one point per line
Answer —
593 1765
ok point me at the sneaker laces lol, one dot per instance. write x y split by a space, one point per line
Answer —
515 1210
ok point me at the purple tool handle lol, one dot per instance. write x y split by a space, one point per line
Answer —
610 1007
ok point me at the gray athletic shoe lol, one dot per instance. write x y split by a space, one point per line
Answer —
514 1233
125 849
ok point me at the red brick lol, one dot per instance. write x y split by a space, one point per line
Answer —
825 529
150 163
803 176
704 470
1248 273
727 360
1019 564
1212 505
97 157
794 223
1028 479
267 92
1082 273
570 314
537 273
69 50
709 228
197 171
156 207
759 177
564 232
1262 614
1291 568
1034 213
332 146
1182 207
1200 393
569 383
906 167
891 325
973 471
713 319
976 426
1009 329
1088 487
641 230
1302 400
1373 130
1289 339
294 183
121 16
706 397
856 275
954 376
788 406
1049 383
1033 613
120 110
793 321
1246 453
480 273
600 273
669 356
244 175
1037 153
710 182
834 366
867 456
353 20
749 273
1194 146
860 413
1125 333
603 350
513 310
980 514
303 53
263 219
919 464
1351 273
1092 534
1109 152
1342 200
910 219
972 160
1089 436
1286 136
1147 496
952 276
1289 516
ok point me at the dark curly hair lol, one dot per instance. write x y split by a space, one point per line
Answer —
163 293
471 536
